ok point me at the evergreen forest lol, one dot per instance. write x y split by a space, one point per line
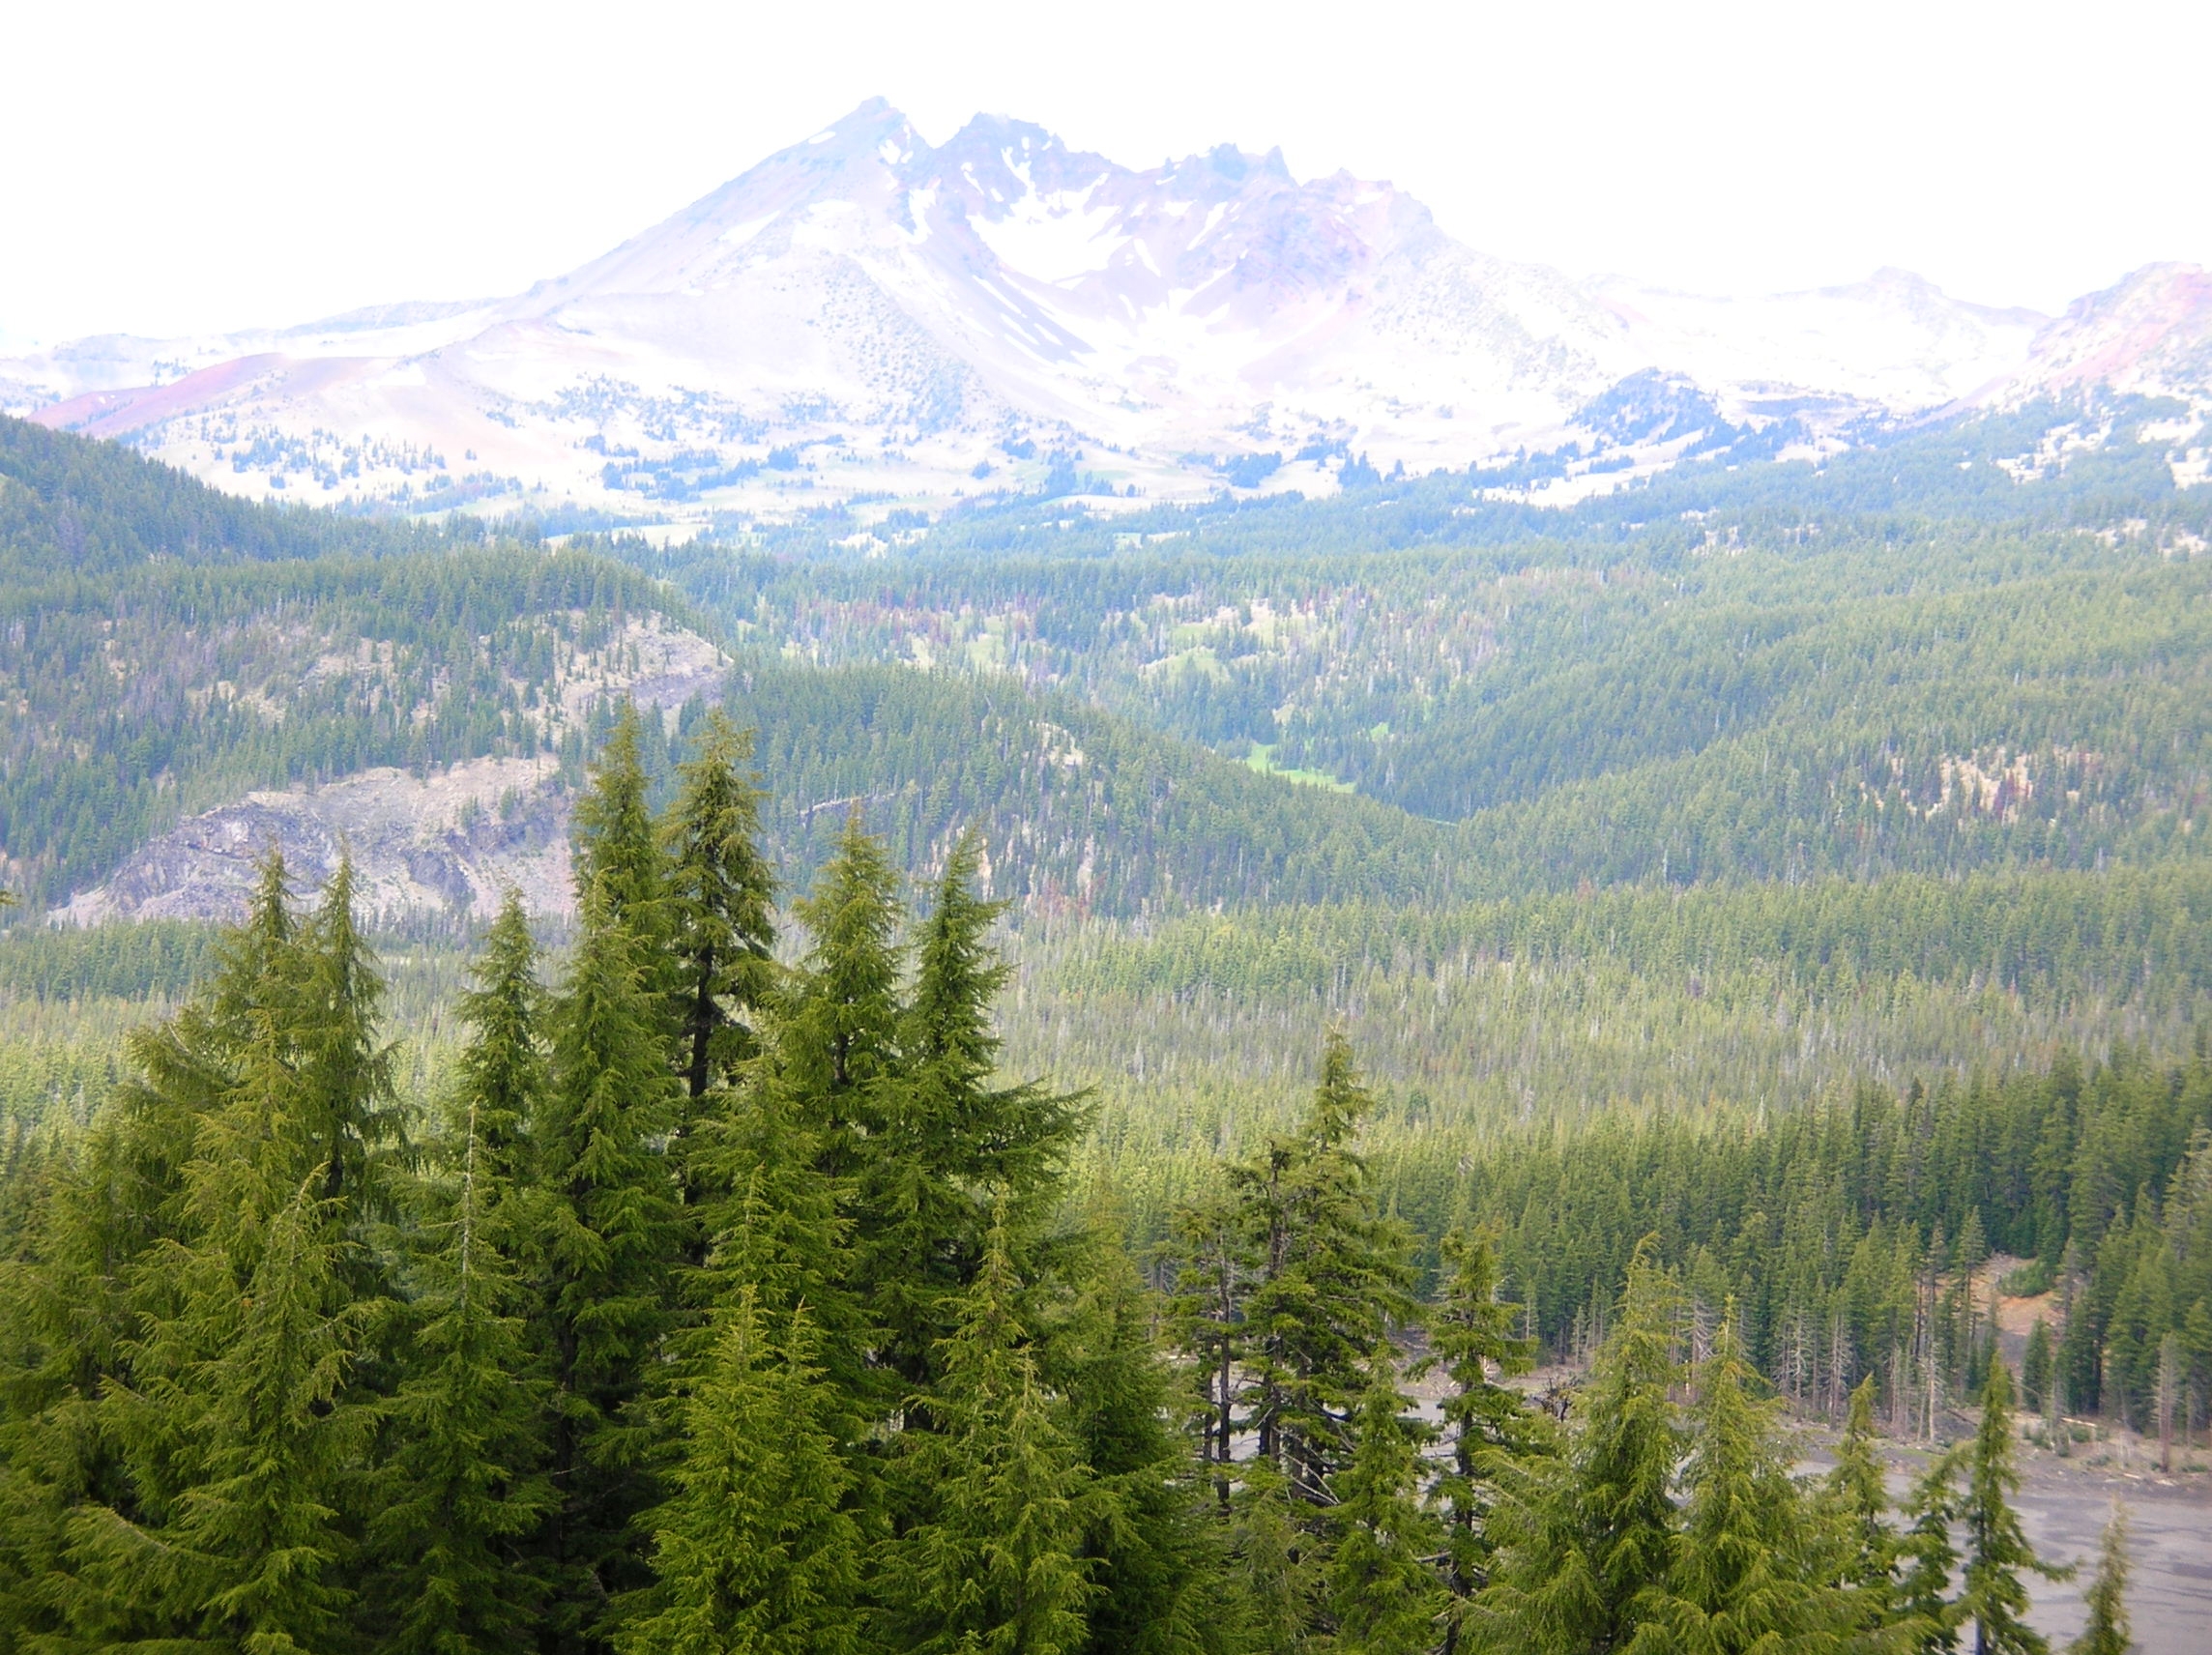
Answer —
1355 1076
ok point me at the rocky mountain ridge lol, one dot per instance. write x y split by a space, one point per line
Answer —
865 314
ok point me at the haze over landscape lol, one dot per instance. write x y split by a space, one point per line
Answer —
1386 838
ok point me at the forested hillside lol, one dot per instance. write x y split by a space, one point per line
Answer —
728 1304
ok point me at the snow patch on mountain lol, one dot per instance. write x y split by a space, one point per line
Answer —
865 313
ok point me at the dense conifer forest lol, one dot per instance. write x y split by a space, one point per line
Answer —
1269 1076
731 1299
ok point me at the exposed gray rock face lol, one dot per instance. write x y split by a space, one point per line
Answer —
448 843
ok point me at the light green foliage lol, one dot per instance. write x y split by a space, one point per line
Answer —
994 1562
1994 1598
1384 1596
755 1551
1585 1549
2107 1632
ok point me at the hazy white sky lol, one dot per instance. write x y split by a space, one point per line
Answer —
182 166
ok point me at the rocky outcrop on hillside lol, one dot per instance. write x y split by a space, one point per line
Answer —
441 844
446 844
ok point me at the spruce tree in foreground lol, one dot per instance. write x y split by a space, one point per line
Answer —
1855 1506
2107 1632
1587 1546
1928 1558
1385 1596
994 1562
1994 1598
1745 1571
1488 1424
755 1553
949 1144
607 1233
464 1487
721 899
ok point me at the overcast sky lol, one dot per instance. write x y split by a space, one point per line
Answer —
188 166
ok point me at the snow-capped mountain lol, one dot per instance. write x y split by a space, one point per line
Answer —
864 312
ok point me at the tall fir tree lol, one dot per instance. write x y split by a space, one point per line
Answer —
1588 1546
1928 1558
1155 1567
950 1146
1488 1424
1854 1498
994 1561
464 1487
241 1424
841 1041
1385 1596
2107 1632
608 1235
1994 1598
721 901
1333 1278
754 1552
1746 1574
618 848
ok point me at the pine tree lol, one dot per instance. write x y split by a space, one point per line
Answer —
722 901
608 1235
1994 1598
345 1074
617 852
2107 1632
945 1135
754 1551
1332 1279
1857 1501
1155 1566
840 1046
1744 1573
994 1561
1487 1423
1384 1596
464 1487
1588 1546
2035 1367
1928 1558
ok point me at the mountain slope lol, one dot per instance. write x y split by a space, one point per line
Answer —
865 314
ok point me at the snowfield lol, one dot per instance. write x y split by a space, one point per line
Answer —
863 312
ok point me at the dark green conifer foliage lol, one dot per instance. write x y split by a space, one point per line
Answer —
618 850
1487 1423
1332 1279
755 1553
777 1231
1217 1262
721 905
1994 1598
1385 1596
608 1235
1279 1575
345 1071
1587 1546
1927 1557
1745 1571
2035 1367
995 1561
2107 1632
841 1047
1156 1570
948 1141
464 1487
240 1423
